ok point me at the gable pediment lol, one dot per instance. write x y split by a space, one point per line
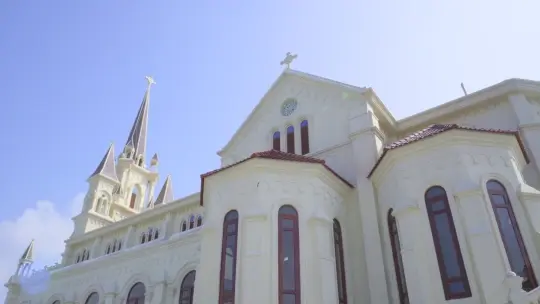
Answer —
312 93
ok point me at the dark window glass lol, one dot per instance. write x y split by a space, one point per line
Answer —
187 288
184 226
290 139
340 264
289 255
136 294
398 261
451 266
304 137
93 298
276 141
511 235
228 258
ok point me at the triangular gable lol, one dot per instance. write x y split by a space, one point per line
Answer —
285 73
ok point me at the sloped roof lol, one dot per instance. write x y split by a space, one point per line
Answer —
107 167
166 193
137 135
28 254
437 129
275 155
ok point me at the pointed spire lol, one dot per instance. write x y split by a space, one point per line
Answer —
166 193
155 160
137 135
107 167
28 253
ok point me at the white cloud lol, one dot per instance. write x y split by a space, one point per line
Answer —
45 224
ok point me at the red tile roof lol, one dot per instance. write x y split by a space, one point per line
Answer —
275 155
436 129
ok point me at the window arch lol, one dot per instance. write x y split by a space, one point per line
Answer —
228 258
184 225
187 288
289 256
276 141
191 221
290 139
398 261
93 298
136 294
340 264
451 266
199 221
56 302
304 137
133 199
511 235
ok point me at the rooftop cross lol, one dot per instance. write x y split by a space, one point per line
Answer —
150 81
288 59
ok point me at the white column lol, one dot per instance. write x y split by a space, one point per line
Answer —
128 237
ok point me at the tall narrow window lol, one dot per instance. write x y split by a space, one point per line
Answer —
93 298
340 264
398 261
228 258
276 141
184 226
289 256
199 221
136 294
451 266
304 137
133 199
511 235
290 139
187 288
191 221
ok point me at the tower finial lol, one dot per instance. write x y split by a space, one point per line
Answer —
288 59
150 81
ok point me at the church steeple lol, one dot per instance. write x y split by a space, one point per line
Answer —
136 141
107 167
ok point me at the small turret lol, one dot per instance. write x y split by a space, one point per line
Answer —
23 270
26 260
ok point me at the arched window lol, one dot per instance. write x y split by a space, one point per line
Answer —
108 249
136 294
119 245
150 234
133 199
289 256
290 139
156 234
93 298
276 141
56 302
304 137
78 259
191 221
228 258
199 221
451 266
184 226
511 235
340 264
187 288
398 261
143 238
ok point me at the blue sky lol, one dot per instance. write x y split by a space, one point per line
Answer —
72 75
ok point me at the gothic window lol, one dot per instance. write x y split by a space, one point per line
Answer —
143 238
150 234
136 294
398 261
108 249
199 221
289 256
191 221
119 245
133 199
304 137
184 226
156 234
340 264
56 302
228 258
511 235
78 259
451 266
98 205
93 298
276 141
187 288
290 139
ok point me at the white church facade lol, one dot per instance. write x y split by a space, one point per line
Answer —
323 197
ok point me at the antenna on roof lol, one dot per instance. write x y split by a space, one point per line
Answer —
463 88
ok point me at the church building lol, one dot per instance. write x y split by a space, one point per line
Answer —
322 197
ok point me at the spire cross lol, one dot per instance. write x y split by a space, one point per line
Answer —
150 81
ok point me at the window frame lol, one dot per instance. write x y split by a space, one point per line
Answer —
276 140
517 231
446 280
191 289
290 139
304 136
399 268
296 245
231 218
136 300
340 264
